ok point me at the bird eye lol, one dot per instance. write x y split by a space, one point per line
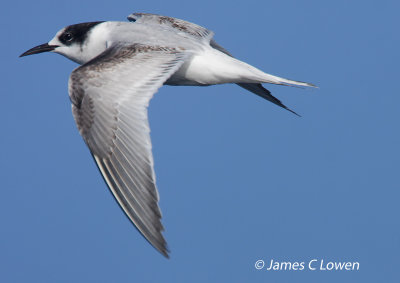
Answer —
67 36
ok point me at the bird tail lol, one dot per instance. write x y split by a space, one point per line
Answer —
267 78
260 77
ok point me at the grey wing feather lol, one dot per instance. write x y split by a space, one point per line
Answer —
109 96
181 26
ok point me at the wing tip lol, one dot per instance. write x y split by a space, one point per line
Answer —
165 253
290 110
160 245
155 239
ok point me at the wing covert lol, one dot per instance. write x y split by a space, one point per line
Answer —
184 27
109 96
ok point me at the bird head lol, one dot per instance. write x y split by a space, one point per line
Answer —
79 43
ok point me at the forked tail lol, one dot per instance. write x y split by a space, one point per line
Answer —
267 78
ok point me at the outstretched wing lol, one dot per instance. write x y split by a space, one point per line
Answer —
109 96
180 26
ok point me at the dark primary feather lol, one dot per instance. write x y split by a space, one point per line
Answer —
266 94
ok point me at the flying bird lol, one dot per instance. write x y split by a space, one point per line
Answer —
122 65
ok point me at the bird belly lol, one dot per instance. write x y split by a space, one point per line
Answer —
208 68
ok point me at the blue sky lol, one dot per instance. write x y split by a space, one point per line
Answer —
240 179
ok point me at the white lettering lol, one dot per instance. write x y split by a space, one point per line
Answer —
310 263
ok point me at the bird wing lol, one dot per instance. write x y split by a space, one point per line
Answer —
181 26
110 95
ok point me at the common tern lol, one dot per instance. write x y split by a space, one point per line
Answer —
122 65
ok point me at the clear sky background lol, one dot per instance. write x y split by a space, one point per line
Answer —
240 179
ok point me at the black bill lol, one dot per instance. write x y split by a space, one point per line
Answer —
39 49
